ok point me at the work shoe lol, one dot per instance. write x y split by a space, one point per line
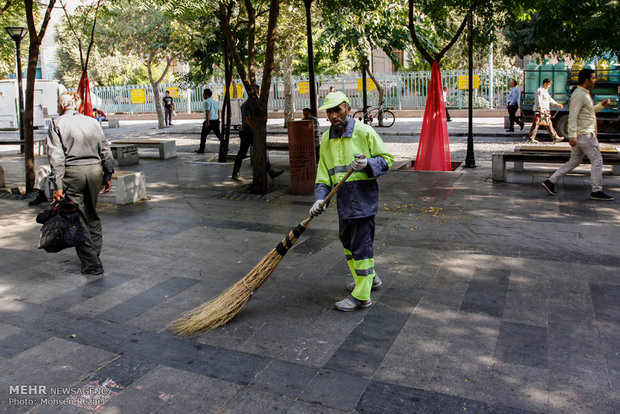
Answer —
273 173
510 130
92 270
521 126
558 139
376 284
599 195
350 304
550 187
533 141
237 177
199 151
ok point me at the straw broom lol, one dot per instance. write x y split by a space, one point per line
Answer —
223 308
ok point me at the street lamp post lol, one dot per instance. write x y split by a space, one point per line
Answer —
313 106
470 159
17 33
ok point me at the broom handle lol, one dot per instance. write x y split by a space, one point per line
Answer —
331 193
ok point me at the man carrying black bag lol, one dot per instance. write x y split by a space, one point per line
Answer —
82 165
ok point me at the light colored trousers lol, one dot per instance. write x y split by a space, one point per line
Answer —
587 145
42 180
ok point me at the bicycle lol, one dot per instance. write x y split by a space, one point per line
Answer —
385 118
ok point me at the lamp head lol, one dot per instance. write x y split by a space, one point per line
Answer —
17 33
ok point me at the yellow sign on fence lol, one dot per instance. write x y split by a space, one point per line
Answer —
174 91
370 85
239 89
304 88
137 96
464 82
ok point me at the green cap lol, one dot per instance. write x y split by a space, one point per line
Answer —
334 99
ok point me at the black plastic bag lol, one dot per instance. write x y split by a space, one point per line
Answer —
61 227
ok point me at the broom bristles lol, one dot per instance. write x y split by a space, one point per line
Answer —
223 308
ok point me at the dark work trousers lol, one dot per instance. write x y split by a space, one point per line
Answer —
447 114
168 116
82 185
208 126
247 138
357 237
512 112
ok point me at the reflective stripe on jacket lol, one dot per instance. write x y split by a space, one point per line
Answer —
358 197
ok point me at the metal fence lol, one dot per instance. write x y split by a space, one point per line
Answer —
403 90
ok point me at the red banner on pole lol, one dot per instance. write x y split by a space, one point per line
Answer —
86 107
434 148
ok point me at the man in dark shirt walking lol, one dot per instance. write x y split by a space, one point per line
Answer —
246 134
168 108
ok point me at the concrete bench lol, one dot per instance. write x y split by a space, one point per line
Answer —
125 154
130 186
40 144
112 122
542 155
167 148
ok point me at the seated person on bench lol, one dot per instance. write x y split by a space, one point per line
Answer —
99 115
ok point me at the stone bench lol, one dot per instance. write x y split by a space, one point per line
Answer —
545 155
130 186
40 144
125 154
112 122
167 148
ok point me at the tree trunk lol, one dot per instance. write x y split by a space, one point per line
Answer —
287 74
156 95
260 183
33 59
226 115
380 88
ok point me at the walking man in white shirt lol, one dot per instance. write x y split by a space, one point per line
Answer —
542 111
582 137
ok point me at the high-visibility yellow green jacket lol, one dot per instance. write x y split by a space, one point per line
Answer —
358 197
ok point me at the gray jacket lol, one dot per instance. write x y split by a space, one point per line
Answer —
75 139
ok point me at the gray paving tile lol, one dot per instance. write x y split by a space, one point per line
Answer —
146 300
605 301
253 401
87 291
487 292
284 378
390 398
335 390
299 407
519 386
19 342
522 345
364 349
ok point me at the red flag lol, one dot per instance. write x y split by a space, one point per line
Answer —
86 107
434 148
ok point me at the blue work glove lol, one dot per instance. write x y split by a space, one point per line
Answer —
316 208
359 163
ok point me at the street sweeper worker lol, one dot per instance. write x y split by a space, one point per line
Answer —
352 144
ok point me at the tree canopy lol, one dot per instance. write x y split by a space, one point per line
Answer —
555 27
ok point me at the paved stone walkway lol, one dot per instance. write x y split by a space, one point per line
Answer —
497 298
